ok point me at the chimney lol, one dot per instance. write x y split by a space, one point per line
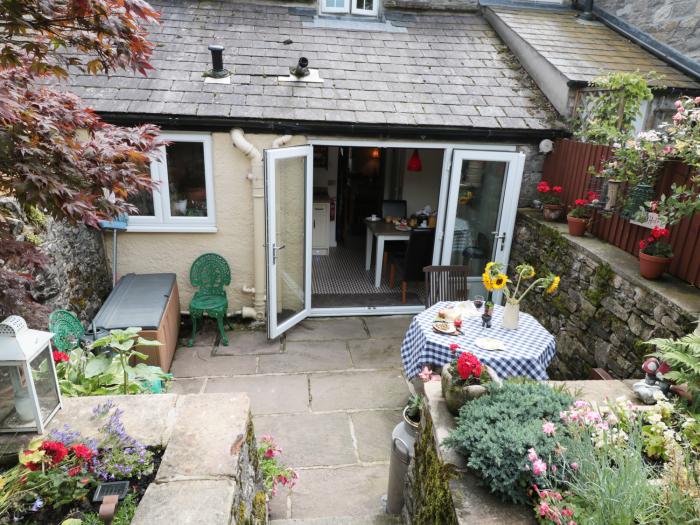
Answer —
587 10
217 62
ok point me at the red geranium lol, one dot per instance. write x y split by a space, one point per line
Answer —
468 365
549 195
657 232
82 452
60 357
74 471
55 450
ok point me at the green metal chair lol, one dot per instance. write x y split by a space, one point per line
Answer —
67 330
210 273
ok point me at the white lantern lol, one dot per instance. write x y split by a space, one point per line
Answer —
29 392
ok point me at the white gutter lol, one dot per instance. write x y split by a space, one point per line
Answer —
256 176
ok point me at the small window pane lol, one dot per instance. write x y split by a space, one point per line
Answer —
144 202
367 5
335 4
186 181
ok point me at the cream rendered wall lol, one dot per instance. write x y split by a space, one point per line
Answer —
423 187
174 252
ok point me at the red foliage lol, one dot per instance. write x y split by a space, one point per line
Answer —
55 153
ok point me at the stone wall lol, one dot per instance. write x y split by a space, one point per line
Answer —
603 309
76 276
532 173
673 22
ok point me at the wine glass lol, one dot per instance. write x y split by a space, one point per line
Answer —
479 301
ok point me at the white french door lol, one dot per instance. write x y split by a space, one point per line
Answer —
482 203
288 201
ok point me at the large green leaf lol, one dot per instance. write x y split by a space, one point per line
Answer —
148 342
97 365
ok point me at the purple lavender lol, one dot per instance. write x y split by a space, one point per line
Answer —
66 435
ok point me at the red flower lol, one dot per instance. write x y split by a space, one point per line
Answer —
593 196
82 452
581 202
55 450
454 347
458 323
74 471
468 365
642 244
60 357
557 189
650 239
657 232
543 187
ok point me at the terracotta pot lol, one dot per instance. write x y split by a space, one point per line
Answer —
577 226
552 212
457 396
651 267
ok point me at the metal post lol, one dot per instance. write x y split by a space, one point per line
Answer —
114 258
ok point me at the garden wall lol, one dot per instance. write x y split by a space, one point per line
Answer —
603 309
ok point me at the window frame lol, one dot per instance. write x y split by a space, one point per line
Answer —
349 8
162 220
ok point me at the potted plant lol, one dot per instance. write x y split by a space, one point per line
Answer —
493 277
464 379
655 252
411 414
580 215
551 201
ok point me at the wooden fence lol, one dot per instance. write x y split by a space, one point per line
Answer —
568 165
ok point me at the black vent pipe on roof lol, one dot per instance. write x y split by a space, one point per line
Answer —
587 10
217 62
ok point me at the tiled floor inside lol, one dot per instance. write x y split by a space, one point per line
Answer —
340 279
330 392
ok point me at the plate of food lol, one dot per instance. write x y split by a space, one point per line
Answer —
489 343
443 327
403 227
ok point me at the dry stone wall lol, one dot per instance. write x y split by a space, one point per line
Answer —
599 317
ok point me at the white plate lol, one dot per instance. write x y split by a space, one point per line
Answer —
489 343
403 228
370 219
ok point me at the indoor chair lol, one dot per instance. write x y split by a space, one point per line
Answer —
419 253
210 273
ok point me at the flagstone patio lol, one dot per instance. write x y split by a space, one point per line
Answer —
330 392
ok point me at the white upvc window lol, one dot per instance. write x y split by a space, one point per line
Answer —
355 7
184 198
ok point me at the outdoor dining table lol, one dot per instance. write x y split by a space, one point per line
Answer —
383 232
528 349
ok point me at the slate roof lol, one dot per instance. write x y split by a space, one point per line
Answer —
582 51
427 69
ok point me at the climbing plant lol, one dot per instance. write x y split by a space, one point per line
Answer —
609 113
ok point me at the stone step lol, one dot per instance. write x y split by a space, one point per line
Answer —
378 519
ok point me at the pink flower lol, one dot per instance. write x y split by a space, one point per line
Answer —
539 467
554 469
574 466
697 100
592 416
544 509
531 455
549 428
425 374
678 103
566 512
667 150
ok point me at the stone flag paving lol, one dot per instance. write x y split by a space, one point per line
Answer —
330 392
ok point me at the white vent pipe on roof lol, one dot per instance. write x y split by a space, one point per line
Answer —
256 176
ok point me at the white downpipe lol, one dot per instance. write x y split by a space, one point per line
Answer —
256 176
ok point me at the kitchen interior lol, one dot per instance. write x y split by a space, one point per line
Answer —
392 190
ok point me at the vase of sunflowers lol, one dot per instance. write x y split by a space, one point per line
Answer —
495 279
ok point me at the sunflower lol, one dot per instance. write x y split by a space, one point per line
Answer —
499 281
488 267
526 271
488 284
554 285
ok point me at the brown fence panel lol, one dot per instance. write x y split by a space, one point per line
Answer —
568 165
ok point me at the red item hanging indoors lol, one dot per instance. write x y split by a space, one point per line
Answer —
414 163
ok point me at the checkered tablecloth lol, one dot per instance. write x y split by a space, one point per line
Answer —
529 349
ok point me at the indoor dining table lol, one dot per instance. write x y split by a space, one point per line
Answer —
383 232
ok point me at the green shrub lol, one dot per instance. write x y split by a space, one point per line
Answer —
495 432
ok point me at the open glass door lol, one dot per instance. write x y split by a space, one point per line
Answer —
481 210
288 196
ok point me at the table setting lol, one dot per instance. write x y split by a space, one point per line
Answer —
446 328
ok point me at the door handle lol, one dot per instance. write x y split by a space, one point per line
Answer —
275 249
498 236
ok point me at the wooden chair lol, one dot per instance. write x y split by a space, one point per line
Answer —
210 273
446 283
67 330
419 252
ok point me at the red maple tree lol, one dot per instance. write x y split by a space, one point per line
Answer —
56 155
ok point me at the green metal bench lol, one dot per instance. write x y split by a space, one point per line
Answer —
67 330
210 273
